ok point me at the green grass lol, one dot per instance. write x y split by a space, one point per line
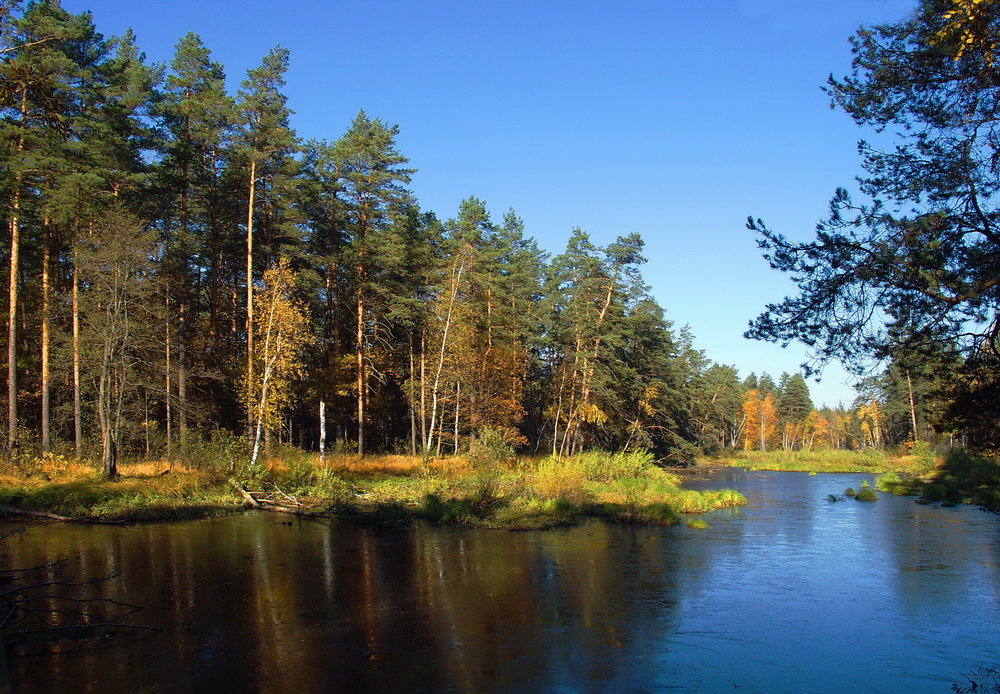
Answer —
870 460
865 492
488 490
123 500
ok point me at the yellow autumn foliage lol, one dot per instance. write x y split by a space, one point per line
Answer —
967 24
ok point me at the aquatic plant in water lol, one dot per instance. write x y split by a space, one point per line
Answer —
866 493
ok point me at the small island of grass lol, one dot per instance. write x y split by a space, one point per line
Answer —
489 487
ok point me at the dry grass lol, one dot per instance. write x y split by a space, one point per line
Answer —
389 465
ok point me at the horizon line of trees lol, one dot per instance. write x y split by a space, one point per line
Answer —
180 263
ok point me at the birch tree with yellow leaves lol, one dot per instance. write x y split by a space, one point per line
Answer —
280 331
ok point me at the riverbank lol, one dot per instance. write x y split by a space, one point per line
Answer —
514 494
868 460
955 476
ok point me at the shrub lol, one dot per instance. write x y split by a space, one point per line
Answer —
887 482
602 466
934 492
438 510
924 453
659 514
222 452
328 485
489 455
866 493
565 479
988 497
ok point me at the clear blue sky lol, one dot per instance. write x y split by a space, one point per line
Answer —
673 119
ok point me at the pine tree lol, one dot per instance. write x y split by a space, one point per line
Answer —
372 179
197 115
263 144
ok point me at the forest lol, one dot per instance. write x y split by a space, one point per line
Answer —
184 269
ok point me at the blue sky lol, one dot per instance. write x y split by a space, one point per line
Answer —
672 119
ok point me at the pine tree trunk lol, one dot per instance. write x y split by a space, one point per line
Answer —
77 400
249 270
168 383
458 401
361 383
412 398
423 385
181 377
46 303
12 297
15 248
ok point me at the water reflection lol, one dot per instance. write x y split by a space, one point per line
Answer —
791 593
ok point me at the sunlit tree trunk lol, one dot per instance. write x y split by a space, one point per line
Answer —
181 376
913 406
458 401
15 248
412 399
423 386
322 431
12 295
77 401
249 269
168 381
46 309
361 375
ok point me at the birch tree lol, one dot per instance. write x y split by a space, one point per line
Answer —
281 331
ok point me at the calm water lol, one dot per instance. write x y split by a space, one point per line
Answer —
789 594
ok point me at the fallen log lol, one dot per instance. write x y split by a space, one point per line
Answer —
245 494
270 505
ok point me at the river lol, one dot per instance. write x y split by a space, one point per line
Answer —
791 593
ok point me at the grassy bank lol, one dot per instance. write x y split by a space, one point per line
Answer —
142 493
952 477
485 489
868 460
958 477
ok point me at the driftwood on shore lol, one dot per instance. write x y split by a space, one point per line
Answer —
277 501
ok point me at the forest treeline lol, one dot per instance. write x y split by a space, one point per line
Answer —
183 267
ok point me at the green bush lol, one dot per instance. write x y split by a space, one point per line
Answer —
602 466
222 452
934 492
440 511
924 453
490 455
327 485
988 497
887 482
866 493
659 514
